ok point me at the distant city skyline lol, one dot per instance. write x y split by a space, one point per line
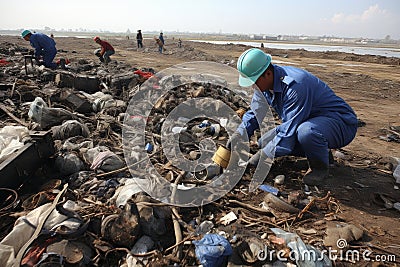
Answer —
341 18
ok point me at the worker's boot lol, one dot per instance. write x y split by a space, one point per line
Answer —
331 159
62 63
317 173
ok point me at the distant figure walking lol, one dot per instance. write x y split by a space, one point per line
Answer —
105 51
262 45
161 43
139 39
179 43
45 48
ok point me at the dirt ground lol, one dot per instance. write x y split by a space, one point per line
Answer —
370 84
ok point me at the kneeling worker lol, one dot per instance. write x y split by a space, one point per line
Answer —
105 51
314 118
45 47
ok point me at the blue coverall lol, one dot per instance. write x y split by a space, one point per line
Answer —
46 47
314 119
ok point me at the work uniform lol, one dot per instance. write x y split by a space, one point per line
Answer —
314 119
45 47
105 52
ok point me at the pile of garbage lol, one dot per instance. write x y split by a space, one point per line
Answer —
90 207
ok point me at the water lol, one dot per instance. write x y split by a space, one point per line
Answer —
377 51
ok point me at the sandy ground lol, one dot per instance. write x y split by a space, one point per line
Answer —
371 85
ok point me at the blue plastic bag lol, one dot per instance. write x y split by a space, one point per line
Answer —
212 249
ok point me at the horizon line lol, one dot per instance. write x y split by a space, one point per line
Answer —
189 32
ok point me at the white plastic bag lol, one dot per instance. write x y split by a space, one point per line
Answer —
11 139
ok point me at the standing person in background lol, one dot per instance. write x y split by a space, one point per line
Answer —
105 51
179 43
139 39
45 47
161 43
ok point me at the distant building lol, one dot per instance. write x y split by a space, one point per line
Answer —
256 37
270 38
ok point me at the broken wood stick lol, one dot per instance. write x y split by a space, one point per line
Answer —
308 206
176 218
250 207
13 87
4 108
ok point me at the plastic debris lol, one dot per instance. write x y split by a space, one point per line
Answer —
294 242
212 250
228 218
270 189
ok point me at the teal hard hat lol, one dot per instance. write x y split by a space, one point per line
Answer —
251 64
25 33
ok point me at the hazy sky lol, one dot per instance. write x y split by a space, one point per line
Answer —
345 18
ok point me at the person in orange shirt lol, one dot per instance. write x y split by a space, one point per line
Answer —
105 51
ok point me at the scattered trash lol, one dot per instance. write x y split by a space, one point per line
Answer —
106 217
103 159
69 163
122 229
143 245
12 138
47 117
209 171
294 242
212 250
69 129
397 206
348 233
149 148
274 202
222 156
227 219
396 172
279 179
249 249
204 228
72 252
270 189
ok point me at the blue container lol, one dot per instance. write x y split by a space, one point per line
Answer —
149 148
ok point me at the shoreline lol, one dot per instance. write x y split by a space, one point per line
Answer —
211 38
314 47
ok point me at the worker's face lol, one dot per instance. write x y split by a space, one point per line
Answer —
27 38
265 82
